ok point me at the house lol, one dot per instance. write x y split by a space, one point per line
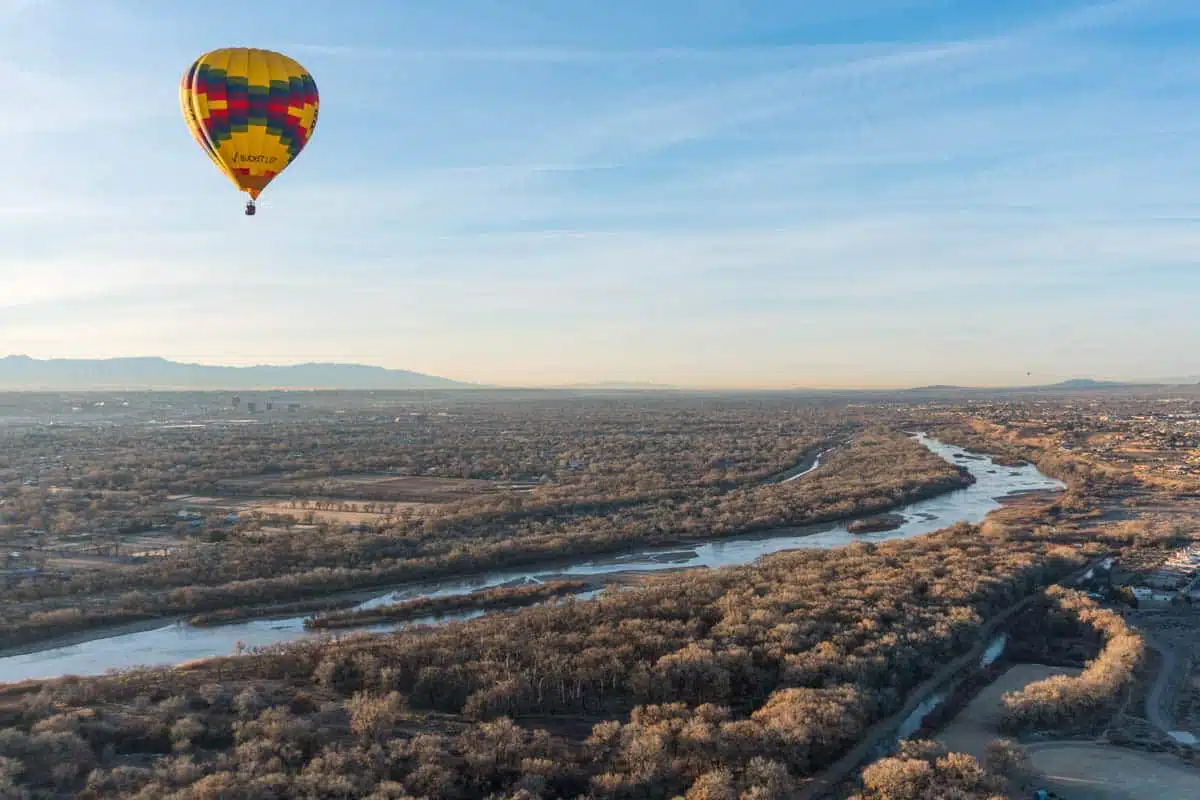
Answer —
1151 598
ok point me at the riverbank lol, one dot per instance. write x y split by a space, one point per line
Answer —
500 598
276 612
88 635
807 464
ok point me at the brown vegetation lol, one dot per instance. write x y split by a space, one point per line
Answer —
228 615
738 680
736 683
923 769
1073 703
877 470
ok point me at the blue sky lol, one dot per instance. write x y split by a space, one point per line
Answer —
868 193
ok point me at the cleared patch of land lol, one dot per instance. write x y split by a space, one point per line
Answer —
349 513
81 563
359 486
978 723
1088 771
1076 770
353 499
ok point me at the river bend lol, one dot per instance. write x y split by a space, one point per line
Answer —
177 642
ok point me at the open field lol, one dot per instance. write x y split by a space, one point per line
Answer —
1090 771
1080 770
371 486
342 512
978 723
82 563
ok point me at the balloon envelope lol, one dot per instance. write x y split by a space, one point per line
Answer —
251 110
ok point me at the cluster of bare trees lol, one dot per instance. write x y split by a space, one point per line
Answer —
876 470
732 683
1071 703
923 769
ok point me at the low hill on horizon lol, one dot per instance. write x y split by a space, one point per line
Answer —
23 373
151 372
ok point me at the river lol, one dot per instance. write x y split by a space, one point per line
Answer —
177 642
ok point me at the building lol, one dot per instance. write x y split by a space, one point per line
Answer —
1187 559
1151 598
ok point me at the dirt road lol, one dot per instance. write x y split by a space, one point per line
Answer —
1161 696
1090 771
1176 657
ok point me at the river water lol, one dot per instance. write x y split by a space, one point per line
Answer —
912 723
175 643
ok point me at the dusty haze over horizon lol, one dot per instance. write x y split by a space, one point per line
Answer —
867 383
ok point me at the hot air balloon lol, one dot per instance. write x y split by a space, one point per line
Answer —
252 111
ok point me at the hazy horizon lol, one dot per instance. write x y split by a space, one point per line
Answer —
1029 381
881 194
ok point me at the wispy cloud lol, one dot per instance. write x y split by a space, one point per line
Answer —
569 55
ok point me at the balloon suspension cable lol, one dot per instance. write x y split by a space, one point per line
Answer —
250 209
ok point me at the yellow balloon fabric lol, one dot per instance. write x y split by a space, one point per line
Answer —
251 110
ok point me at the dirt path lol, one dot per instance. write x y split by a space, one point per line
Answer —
1164 684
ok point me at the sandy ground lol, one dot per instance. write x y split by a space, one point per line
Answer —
977 724
1086 771
87 635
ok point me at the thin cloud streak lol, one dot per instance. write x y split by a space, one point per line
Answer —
566 55
1074 19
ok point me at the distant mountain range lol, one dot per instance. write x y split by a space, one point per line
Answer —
25 373
152 372
1074 384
